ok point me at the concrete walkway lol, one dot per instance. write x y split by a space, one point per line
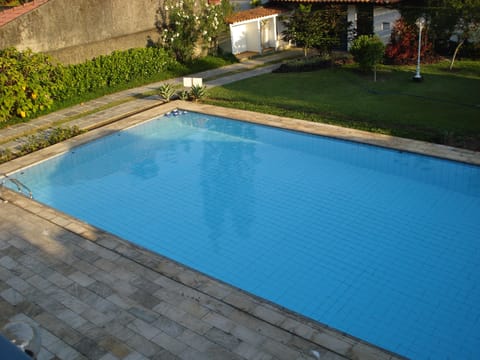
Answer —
92 295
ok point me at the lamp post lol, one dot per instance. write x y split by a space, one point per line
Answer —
420 24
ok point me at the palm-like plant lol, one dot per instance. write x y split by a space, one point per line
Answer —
198 92
167 91
183 95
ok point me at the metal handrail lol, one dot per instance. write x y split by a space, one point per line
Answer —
20 186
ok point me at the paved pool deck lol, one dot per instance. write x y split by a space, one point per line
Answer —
93 295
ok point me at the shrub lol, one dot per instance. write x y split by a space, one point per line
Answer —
166 91
183 95
29 83
368 51
49 137
198 92
183 25
5 155
118 68
403 46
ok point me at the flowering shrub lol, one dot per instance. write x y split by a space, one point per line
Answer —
403 46
184 24
212 24
179 28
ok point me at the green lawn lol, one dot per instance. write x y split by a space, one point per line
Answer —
445 108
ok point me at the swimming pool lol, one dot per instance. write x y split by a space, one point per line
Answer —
377 243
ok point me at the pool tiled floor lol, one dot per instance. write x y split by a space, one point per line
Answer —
95 296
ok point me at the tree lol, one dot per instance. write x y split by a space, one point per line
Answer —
467 27
319 29
367 51
449 21
334 19
302 27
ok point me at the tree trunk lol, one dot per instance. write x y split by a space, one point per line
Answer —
455 53
374 73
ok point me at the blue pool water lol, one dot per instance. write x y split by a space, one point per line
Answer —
377 243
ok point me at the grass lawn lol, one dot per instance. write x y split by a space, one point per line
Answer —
444 108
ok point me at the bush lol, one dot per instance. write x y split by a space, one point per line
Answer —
403 46
367 51
167 91
29 83
118 68
198 92
49 137
183 95
183 25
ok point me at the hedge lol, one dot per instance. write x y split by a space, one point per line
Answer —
31 82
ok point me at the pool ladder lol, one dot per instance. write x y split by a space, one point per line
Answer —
21 187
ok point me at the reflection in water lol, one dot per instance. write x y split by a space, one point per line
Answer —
234 166
227 177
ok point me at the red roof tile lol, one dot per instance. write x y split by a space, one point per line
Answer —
252 14
10 14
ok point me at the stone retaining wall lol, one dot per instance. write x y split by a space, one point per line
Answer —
73 31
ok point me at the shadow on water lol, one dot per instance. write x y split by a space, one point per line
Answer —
238 170
142 176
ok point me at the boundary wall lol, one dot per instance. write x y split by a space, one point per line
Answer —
73 31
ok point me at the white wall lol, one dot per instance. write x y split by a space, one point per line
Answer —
239 38
352 15
245 37
383 22
253 38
